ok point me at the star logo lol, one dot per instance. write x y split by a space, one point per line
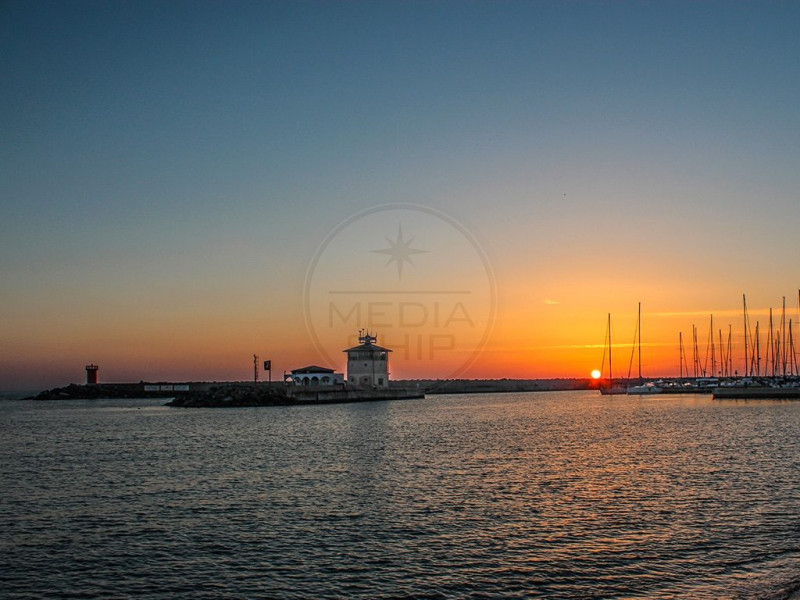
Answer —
400 251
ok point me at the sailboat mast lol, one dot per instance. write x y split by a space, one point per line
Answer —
794 356
713 357
729 367
783 336
744 312
758 351
680 352
639 328
610 372
770 348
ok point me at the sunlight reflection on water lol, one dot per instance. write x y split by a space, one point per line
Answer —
552 495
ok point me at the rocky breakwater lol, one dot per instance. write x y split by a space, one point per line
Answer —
232 395
104 391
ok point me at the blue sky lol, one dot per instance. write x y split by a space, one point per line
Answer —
179 162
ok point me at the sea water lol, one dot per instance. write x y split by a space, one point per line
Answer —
530 495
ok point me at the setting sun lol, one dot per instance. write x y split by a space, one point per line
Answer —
596 374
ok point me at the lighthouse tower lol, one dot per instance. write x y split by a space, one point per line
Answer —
368 363
91 374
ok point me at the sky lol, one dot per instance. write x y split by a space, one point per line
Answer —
185 184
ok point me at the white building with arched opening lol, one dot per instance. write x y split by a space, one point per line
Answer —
315 376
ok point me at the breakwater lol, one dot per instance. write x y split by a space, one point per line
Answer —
231 395
756 392
110 391
226 394
494 386
251 393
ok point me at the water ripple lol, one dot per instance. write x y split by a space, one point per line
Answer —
563 495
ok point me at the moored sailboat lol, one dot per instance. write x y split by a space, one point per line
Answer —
610 389
642 388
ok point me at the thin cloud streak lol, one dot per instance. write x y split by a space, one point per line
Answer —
719 313
613 345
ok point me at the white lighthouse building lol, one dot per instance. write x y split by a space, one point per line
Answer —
368 363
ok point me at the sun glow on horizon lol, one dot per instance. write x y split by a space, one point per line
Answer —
596 374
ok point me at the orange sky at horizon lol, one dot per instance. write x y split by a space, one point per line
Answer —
555 341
